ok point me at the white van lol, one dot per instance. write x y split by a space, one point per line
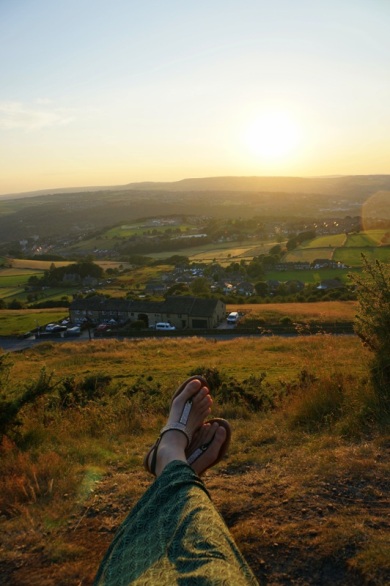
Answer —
232 318
164 326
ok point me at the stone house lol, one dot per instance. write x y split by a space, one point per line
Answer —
180 311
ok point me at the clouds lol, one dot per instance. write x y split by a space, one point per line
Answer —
31 117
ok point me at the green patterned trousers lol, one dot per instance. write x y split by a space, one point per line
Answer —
174 535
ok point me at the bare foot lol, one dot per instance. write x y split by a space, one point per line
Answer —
207 447
174 442
201 402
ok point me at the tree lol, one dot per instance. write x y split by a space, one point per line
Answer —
178 289
15 304
261 288
200 286
372 322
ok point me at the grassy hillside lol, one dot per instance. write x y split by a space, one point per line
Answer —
303 488
73 212
346 249
14 322
14 279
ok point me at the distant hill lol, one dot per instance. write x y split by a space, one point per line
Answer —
63 214
344 185
331 185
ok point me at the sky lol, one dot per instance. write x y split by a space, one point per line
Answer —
96 93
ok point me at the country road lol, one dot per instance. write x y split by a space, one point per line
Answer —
14 344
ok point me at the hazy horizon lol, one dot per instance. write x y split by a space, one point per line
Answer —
98 94
121 185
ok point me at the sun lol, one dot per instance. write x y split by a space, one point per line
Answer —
272 136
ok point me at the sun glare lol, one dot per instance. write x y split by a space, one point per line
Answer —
272 136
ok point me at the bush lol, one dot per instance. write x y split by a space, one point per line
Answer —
10 408
15 304
80 392
372 323
212 375
317 405
285 321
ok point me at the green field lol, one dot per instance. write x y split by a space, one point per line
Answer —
311 277
125 231
12 287
12 282
223 252
308 254
108 239
10 292
331 241
15 278
353 256
368 238
15 322
345 249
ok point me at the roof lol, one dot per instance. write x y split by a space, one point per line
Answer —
193 306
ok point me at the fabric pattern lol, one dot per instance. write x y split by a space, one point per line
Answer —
174 535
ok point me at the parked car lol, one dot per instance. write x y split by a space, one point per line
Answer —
72 332
58 328
164 326
233 318
102 329
55 328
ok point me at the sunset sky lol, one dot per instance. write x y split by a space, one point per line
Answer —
103 93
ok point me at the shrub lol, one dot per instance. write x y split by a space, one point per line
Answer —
318 404
212 375
74 391
285 321
372 323
10 408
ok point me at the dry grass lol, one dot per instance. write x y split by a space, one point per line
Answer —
170 360
44 265
320 311
307 504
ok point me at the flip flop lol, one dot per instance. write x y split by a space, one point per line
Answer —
197 452
178 426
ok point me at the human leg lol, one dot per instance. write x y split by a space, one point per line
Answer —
174 535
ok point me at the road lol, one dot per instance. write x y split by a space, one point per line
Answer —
17 345
14 344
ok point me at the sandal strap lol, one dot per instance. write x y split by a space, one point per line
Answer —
177 427
197 453
153 463
186 412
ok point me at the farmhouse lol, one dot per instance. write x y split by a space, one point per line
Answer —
330 284
181 312
325 263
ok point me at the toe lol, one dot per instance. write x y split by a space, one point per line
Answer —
191 389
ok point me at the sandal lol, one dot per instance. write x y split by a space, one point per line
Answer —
178 426
197 452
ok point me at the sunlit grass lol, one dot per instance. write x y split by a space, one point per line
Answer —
330 240
320 311
167 359
303 480
14 322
